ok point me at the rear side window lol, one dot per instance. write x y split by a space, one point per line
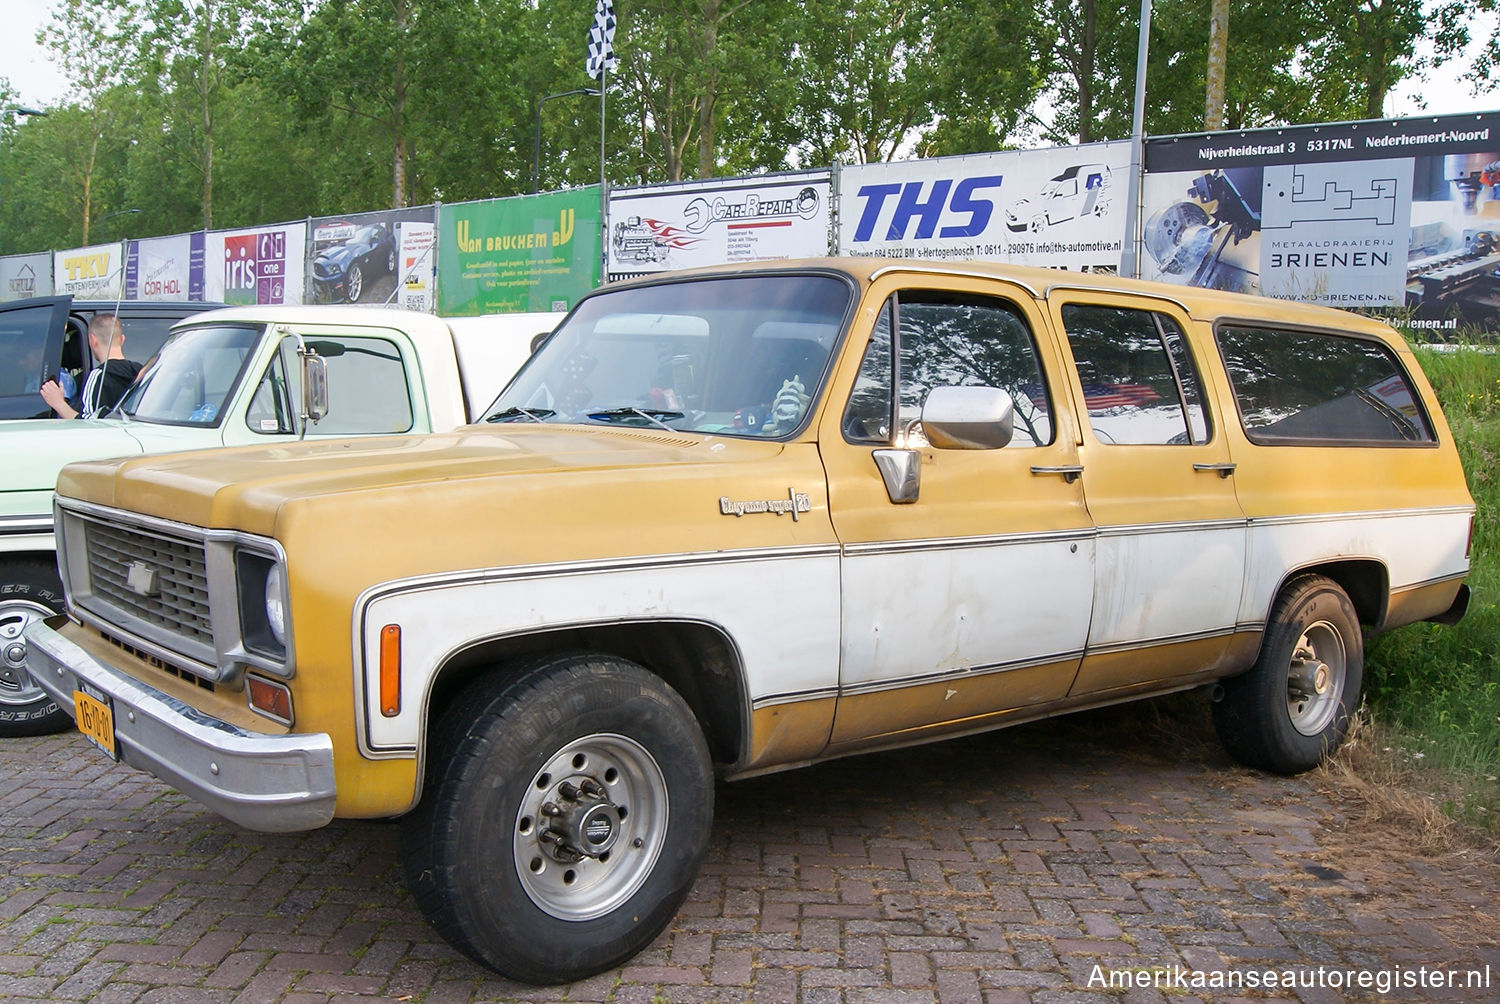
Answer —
1316 387
1139 382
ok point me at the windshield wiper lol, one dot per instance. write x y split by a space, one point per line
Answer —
656 416
535 414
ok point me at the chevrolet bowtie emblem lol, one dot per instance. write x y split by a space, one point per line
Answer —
143 579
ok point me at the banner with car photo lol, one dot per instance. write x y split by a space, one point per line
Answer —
525 253
1062 207
91 273
23 276
256 266
165 268
377 259
1378 215
716 222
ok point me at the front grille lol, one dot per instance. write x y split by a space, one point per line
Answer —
170 590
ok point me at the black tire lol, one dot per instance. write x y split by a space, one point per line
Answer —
30 590
1292 709
500 763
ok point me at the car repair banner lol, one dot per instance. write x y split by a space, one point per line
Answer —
256 266
1375 214
525 253
23 276
377 259
166 268
718 222
1062 207
91 273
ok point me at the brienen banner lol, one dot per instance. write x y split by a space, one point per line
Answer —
1399 213
1063 207
527 253
718 222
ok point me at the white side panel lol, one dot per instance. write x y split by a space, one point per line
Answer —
1416 546
782 613
913 612
1156 584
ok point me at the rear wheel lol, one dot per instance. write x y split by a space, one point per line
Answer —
565 815
29 591
1292 709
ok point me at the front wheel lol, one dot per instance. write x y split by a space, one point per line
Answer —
1292 709
354 284
566 812
29 591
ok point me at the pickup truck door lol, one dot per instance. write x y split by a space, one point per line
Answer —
1159 483
973 600
31 337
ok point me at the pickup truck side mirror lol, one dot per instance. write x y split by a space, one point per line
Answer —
953 418
314 386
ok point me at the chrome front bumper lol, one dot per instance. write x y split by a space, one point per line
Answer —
262 782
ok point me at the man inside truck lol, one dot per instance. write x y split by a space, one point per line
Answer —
107 382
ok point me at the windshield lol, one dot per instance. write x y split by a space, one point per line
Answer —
742 356
192 376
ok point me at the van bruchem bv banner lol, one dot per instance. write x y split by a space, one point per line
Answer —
24 276
256 266
1375 214
165 268
379 259
1062 207
717 222
91 273
525 253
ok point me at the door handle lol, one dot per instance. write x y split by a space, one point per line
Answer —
1069 474
1224 470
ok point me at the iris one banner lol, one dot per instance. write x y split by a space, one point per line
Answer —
1062 207
256 266
716 222
527 253
1399 213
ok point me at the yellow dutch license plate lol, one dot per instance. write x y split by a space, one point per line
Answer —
96 719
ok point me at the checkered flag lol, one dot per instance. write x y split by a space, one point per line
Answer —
601 55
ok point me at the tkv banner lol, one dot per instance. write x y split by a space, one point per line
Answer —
530 252
717 222
23 276
91 273
1062 207
1375 214
381 259
165 268
255 266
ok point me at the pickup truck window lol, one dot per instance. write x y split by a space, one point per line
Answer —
948 340
733 356
1317 387
192 377
1139 382
377 398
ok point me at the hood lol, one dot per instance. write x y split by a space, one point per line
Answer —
36 450
337 256
248 488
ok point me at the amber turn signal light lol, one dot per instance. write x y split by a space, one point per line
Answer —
390 670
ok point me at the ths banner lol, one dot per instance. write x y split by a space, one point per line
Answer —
91 273
1062 207
23 276
1386 214
256 266
713 223
528 253
363 258
165 268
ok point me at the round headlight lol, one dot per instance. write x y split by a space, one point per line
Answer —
276 603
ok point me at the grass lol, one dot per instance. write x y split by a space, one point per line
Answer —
1432 724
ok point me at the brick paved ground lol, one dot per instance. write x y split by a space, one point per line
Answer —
997 869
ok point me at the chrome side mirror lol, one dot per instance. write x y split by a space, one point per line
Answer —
968 418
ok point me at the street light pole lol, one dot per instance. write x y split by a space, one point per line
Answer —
536 147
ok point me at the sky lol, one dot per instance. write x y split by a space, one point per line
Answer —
39 83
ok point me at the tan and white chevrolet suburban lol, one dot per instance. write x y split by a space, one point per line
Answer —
739 520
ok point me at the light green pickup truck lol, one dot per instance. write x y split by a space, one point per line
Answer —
234 378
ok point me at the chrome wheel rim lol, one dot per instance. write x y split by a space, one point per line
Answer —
1315 678
590 827
15 683
356 283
